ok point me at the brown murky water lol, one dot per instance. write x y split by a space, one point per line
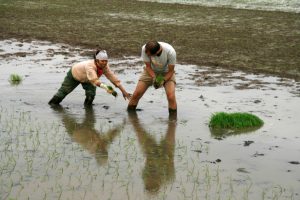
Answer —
103 153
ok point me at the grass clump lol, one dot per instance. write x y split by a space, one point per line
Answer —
234 120
15 79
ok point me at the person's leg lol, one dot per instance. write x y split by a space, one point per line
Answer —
140 90
145 81
170 92
90 93
68 85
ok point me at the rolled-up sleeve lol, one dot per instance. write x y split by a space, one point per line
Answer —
111 76
91 74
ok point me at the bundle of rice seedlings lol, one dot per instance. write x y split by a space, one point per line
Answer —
158 81
15 79
114 93
224 120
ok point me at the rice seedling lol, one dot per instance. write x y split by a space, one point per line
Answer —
113 92
158 82
15 79
234 120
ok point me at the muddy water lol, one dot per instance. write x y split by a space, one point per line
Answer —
74 153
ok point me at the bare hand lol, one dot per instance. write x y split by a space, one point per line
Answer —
127 95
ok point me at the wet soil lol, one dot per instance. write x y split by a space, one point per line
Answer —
248 40
70 152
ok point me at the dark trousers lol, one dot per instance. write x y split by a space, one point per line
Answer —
70 83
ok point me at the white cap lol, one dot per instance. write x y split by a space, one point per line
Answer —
102 55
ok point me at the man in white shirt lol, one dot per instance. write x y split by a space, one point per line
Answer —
160 60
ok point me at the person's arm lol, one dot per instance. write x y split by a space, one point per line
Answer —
147 62
171 64
92 75
149 70
170 73
93 78
114 80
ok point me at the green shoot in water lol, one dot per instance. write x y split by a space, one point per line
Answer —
15 79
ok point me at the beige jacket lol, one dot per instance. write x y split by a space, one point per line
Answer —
86 71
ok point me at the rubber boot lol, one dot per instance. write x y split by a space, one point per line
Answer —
131 108
55 100
88 101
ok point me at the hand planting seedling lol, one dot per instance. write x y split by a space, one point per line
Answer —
109 89
158 81
112 91
15 79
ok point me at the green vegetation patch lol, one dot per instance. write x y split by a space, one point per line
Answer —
222 120
15 79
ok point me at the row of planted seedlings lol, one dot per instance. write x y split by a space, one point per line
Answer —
40 160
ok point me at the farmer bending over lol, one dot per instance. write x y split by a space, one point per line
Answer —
160 59
87 73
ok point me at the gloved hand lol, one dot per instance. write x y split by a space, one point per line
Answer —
109 89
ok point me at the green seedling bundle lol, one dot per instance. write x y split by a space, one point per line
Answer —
114 93
234 120
158 82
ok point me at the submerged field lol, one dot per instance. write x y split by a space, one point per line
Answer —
255 41
75 153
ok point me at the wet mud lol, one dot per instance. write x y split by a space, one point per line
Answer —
248 40
71 152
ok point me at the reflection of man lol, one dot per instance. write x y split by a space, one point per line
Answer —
159 165
88 137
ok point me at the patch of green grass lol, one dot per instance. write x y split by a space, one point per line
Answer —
234 120
15 79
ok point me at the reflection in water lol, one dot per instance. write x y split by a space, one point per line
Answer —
222 133
85 134
159 165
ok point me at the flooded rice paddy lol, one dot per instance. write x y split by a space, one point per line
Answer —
70 152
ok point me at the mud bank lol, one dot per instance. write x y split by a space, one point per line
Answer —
253 41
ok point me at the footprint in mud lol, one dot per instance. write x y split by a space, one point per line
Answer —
294 162
247 143
212 162
201 97
130 82
242 170
272 147
197 151
258 154
257 101
105 107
